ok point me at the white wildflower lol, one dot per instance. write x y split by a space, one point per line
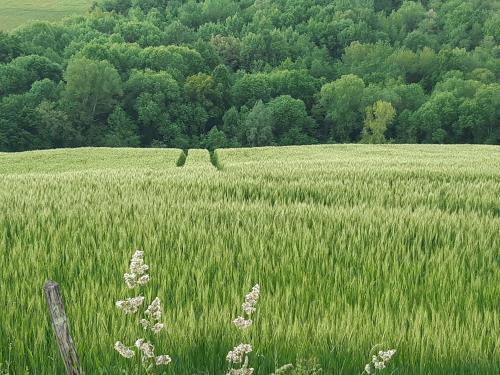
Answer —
157 328
387 355
137 264
136 275
236 355
248 308
143 280
123 350
148 350
242 323
163 360
130 305
241 371
145 347
233 357
379 361
130 280
251 300
154 310
244 348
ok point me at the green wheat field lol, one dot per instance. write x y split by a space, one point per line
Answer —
353 245
14 13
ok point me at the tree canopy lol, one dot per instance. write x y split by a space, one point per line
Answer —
228 73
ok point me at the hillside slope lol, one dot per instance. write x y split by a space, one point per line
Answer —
246 73
15 13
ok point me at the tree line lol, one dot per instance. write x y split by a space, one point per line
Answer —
226 73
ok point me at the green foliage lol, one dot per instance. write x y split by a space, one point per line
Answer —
307 367
18 76
215 139
92 87
232 126
9 48
250 88
211 56
341 100
122 131
299 84
377 119
290 121
55 126
436 117
258 126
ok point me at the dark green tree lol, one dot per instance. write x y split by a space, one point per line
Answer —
341 101
122 131
290 122
258 126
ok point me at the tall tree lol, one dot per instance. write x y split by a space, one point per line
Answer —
258 126
122 131
341 101
378 117
92 87
290 121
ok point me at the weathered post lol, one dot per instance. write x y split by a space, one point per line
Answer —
61 328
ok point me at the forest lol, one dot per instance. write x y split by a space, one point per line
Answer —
226 73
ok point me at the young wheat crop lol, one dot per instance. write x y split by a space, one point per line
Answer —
354 245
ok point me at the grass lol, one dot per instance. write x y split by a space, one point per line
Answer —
353 246
14 13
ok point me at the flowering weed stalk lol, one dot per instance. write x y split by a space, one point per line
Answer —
150 322
239 355
379 361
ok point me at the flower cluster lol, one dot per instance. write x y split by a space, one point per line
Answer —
163 360
137 274
249 308
153 314
236 356
130 305
242 323
147 350
123 350
379 361
241 371
238 353
283 369
152 321
251 300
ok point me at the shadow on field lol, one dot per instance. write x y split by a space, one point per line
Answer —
182 158
214 159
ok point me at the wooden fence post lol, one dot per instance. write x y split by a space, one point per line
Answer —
61 328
